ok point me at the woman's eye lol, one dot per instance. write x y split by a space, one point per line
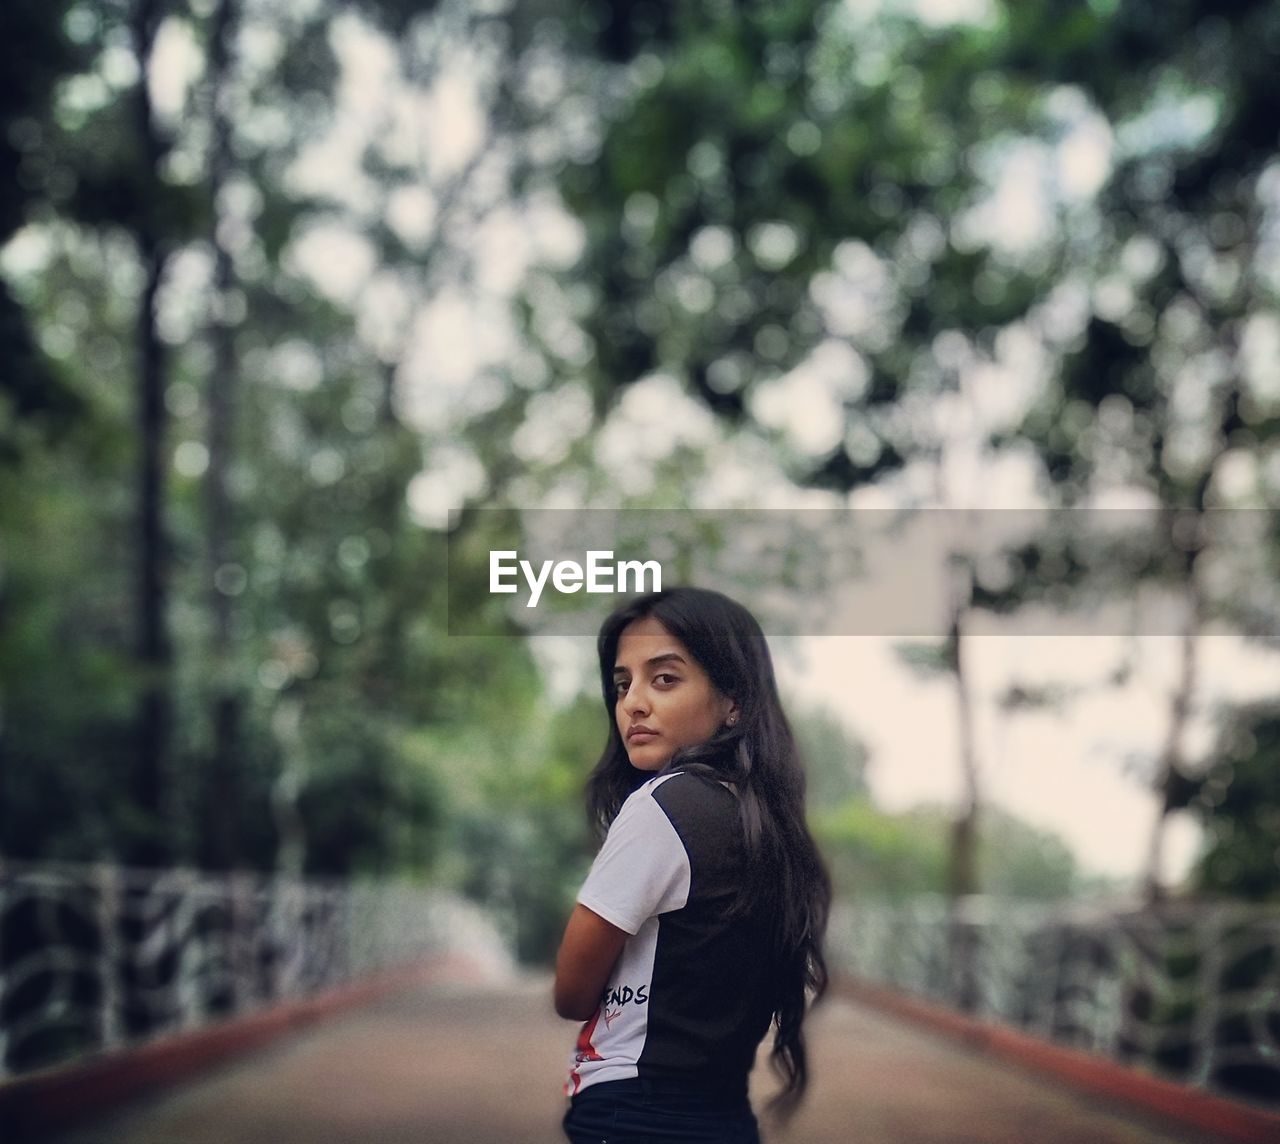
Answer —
620 686
666 678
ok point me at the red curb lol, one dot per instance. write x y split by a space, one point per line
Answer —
62 1096
1187 1106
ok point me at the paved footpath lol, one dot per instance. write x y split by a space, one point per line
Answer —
482 1064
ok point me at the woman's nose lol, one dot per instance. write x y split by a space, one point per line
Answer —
633 701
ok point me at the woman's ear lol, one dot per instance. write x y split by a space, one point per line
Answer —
731 716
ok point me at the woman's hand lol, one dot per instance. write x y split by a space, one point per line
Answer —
588 952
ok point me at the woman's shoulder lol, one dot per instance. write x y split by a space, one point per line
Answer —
691 792
646 790
682 795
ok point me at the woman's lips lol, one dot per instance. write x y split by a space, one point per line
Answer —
641 736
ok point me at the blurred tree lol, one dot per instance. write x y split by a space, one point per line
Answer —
835 762
47 724
224 793
1163 385
65 678
340 590
361 596
112 155
1017 860
36 53
141 175
516 833
305 598
874 854
1238 801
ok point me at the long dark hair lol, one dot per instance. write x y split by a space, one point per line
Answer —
784 879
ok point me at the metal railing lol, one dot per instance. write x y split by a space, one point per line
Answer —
1189 992
96 957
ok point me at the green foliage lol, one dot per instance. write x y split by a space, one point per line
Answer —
895 856
364 808
1174 190
516 833
801 152
34 396
874 854
835 762
66 683
1238 801
340 667
1017 860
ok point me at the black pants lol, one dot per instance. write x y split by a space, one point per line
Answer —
642 1111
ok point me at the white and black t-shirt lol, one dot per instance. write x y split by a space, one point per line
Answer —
689 997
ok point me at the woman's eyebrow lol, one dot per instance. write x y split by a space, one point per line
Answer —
666 657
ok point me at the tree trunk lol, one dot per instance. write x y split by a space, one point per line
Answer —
964 865
149 837
149 844
222 793
291 851
154 652
1168 770
962 880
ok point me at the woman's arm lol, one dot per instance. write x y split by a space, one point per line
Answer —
588 952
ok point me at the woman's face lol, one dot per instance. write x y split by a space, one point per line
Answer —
664 698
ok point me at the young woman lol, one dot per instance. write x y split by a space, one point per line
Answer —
701 921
